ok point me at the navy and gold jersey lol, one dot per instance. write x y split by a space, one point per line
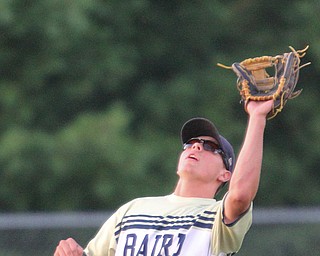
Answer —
169 226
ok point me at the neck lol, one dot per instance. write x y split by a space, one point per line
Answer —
195 189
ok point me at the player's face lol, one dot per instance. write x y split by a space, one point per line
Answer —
199 163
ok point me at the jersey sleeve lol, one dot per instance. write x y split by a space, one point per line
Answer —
104 243
228 238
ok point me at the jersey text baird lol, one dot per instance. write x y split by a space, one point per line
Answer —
159 245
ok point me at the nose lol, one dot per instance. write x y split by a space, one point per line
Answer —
197 146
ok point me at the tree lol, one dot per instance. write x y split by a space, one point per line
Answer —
79 76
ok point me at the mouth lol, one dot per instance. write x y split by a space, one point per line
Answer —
193 157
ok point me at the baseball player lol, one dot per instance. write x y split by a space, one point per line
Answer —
190 222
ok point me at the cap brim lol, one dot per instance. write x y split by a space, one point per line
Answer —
199 126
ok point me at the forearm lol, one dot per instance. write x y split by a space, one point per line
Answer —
245 179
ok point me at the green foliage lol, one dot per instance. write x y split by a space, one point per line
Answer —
93 95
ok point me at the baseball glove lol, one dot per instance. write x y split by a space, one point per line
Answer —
254 83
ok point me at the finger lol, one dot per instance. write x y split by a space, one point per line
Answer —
60 249
56 253
68 247
76 249
64 249
80 251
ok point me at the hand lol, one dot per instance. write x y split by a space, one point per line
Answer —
68 247
261 108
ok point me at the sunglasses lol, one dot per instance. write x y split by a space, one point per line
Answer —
208 145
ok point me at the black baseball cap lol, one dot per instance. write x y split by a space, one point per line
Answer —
200 126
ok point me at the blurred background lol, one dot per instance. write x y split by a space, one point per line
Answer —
94 93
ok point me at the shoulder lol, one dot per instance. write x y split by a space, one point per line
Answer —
148 199
143 202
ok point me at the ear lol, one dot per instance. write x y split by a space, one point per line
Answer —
225 176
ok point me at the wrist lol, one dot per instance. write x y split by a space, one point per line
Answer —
258 115
258 118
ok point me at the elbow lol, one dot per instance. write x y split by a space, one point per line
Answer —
241 201
244 192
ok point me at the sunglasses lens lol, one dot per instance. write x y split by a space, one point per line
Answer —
207 144
210 146
190 142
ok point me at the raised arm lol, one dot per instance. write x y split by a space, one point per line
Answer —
244 182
